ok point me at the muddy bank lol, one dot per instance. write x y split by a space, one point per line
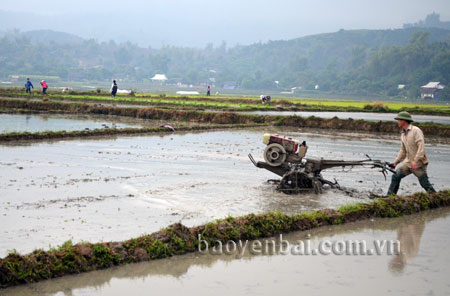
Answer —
190 271
223 118
178 239
360 125
445 120
148 113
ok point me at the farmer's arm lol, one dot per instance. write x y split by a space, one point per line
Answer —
420 142
401 155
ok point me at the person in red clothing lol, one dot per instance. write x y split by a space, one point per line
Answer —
44 87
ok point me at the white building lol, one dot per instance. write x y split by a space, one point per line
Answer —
430 90
159 78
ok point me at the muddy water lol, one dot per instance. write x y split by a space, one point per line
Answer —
38 123
355 115
115 189
419 267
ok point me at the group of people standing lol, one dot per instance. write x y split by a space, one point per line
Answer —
29 86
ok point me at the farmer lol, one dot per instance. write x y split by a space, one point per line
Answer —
28 86
114 89
265 99
412 153
44 87
208 91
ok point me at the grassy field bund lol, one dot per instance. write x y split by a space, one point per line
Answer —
235 103
48 135
178 239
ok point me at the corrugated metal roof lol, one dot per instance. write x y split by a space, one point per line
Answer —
159 77
433 85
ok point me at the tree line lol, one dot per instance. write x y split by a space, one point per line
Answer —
353 62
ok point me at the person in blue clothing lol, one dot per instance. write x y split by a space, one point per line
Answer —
114 89
28 86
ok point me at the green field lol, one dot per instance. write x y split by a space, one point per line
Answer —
358 104
239 103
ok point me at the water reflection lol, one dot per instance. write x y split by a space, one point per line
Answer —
58 122
409 231
409 234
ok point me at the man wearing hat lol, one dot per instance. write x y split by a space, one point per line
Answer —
412 153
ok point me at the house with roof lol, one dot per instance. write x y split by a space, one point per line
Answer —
431 90
161 78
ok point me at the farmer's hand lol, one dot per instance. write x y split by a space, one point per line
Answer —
393 164
414 166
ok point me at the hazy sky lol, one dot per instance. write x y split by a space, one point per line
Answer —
197 22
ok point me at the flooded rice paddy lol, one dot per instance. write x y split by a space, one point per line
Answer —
114 189
420 267
40 122
355 115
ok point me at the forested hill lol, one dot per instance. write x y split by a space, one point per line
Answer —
51 36
356 61
346 48
341 51
431 21
43 36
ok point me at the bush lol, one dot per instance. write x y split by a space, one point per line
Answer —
380 107
368 107
445 93
376 107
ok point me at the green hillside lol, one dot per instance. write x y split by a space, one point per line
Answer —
354 62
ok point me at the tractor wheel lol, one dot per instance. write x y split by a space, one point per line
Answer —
294 182
275 154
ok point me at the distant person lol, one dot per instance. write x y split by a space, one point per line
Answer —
114 88
412 153
44 87
265 100
208 91
28 86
